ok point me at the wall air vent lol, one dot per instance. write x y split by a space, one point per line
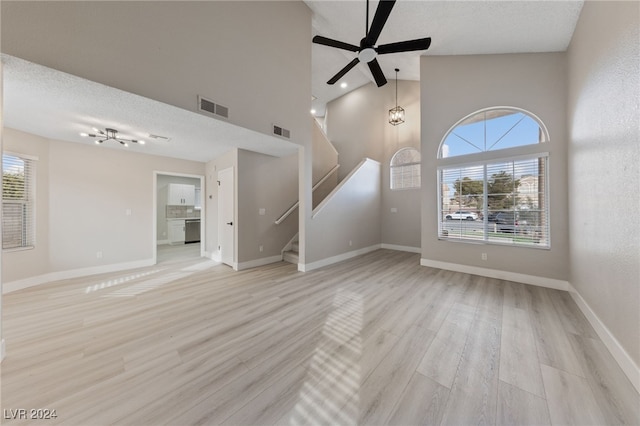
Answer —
212 108
282 132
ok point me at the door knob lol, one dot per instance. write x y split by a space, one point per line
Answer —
230 223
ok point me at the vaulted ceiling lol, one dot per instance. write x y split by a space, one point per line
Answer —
40 100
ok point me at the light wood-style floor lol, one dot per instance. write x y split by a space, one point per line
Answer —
374 340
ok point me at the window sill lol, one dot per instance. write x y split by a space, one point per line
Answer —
12 249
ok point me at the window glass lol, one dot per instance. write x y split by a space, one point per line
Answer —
405 169
500 200
17 202
490 130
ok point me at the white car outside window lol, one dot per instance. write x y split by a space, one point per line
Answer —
462 215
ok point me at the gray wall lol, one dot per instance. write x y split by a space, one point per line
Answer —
173 51
82 195
604 154
358 126
455 86
349 219
270 183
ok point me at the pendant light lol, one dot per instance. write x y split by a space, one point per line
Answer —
396 115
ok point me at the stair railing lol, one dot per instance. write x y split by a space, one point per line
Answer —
316 186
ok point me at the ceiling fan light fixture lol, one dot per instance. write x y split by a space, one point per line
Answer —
367 54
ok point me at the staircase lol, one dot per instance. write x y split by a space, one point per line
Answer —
292 254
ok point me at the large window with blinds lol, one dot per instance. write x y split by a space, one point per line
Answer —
18 201
493 179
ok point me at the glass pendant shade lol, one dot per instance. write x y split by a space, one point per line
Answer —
396 115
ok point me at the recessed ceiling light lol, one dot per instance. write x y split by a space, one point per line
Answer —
313 111
343 84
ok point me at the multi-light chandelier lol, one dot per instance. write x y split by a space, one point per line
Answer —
110 134
396 115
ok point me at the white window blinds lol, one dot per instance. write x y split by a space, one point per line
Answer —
508 196
18 203
405 169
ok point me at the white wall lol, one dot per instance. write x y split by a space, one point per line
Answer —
89 189
604 176
455 86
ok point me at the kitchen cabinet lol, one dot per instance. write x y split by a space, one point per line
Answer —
176 230
180 194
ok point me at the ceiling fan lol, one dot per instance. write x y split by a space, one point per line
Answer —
368 51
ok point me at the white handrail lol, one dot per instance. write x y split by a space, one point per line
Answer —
295 206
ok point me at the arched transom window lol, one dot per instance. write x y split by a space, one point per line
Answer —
492 179
405 169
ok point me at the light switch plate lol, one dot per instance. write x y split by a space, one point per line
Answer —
262 211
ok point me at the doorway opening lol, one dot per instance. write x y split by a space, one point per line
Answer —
179 217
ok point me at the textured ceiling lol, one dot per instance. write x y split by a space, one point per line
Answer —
455 27
56 105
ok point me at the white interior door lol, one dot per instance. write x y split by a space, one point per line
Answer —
226 225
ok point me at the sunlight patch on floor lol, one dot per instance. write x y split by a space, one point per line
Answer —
119 281
329 394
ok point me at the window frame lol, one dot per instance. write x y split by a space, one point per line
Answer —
399 166
489 158
29 227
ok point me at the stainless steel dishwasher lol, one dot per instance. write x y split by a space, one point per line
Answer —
191 231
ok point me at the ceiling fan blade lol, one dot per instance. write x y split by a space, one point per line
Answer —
405 46
379 19
378 75
335 43
343 71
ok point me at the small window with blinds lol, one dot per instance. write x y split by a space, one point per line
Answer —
18 205
499 196
405 169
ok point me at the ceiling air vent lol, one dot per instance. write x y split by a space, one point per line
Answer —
280 131
212 108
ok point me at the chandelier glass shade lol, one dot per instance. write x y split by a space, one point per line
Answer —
110 135
396 115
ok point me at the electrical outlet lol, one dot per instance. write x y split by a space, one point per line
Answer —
484 256
350 243
262 211
260 248
99 255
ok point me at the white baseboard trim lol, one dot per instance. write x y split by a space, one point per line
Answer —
629 367
12 286
213 255
2 350
401 248
306 267
162 242
258 262
498 274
